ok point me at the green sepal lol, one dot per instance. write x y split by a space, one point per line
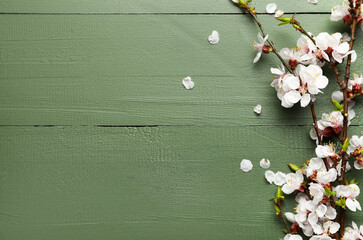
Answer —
337 105
345 144
293 167
354 181
329 192
277 209
347 182
341 203
279 192
285 231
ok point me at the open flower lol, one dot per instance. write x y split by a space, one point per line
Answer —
261 47
349 192
293 182
340 12
333 44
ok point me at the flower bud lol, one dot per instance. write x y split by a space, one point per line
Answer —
293 63
266 49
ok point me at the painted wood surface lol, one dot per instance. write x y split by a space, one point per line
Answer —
143 182
154 6
99 140
127 70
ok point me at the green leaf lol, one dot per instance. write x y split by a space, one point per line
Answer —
283 23
279 193
337 105
347 182
345 144
341 203
293 167
328 191
277 209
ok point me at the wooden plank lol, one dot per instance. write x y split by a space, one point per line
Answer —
156 6
127 70
143 183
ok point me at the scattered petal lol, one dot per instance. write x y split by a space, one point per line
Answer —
188 83
313 1
265 163
258 109
279 13
246 165
271 7
214 38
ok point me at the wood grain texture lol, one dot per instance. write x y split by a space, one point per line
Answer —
155 6
143 183
127 70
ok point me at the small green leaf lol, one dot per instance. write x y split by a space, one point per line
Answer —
347 182
293 167
337 105
345 144
341 203
329 192
277 209
283 23
279 193
285 231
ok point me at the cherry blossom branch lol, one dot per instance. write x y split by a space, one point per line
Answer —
252 12
355 12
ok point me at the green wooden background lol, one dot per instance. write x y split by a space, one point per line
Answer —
99 139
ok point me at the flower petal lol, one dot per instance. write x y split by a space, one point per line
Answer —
246 165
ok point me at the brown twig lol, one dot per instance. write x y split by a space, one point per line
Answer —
312 108
355 12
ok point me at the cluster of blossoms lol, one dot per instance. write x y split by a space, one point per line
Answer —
320 186
316 195
307 79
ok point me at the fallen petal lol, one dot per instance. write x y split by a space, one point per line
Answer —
214 38
271 7
188 83
258 109
246 165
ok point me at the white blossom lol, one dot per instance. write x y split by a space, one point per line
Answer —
338 12
259 46
292 237
324 151
293 182
334 43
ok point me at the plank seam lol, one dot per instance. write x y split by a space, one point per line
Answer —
115 13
